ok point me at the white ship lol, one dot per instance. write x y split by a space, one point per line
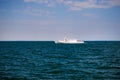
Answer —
70 41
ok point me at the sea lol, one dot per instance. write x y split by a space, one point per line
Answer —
46 60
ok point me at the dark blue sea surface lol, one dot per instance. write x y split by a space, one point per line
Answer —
38 60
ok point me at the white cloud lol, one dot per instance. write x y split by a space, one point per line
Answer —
37 11
111 2
40 1
49 3
79 5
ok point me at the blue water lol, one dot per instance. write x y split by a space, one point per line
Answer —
38 60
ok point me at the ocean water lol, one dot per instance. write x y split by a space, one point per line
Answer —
45 60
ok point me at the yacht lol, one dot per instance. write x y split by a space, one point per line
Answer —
70 41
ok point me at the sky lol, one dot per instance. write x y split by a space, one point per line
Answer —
54 19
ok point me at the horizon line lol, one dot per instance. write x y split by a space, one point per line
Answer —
55 40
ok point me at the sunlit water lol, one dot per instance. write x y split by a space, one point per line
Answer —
32 60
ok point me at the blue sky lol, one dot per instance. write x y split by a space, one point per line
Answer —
54 19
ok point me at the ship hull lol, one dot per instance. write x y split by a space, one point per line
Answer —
62 42
70 41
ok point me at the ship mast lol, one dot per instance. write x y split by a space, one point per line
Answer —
65 39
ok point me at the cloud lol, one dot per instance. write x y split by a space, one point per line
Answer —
49 3
37 11
111 3
40 1
86 4
79 4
